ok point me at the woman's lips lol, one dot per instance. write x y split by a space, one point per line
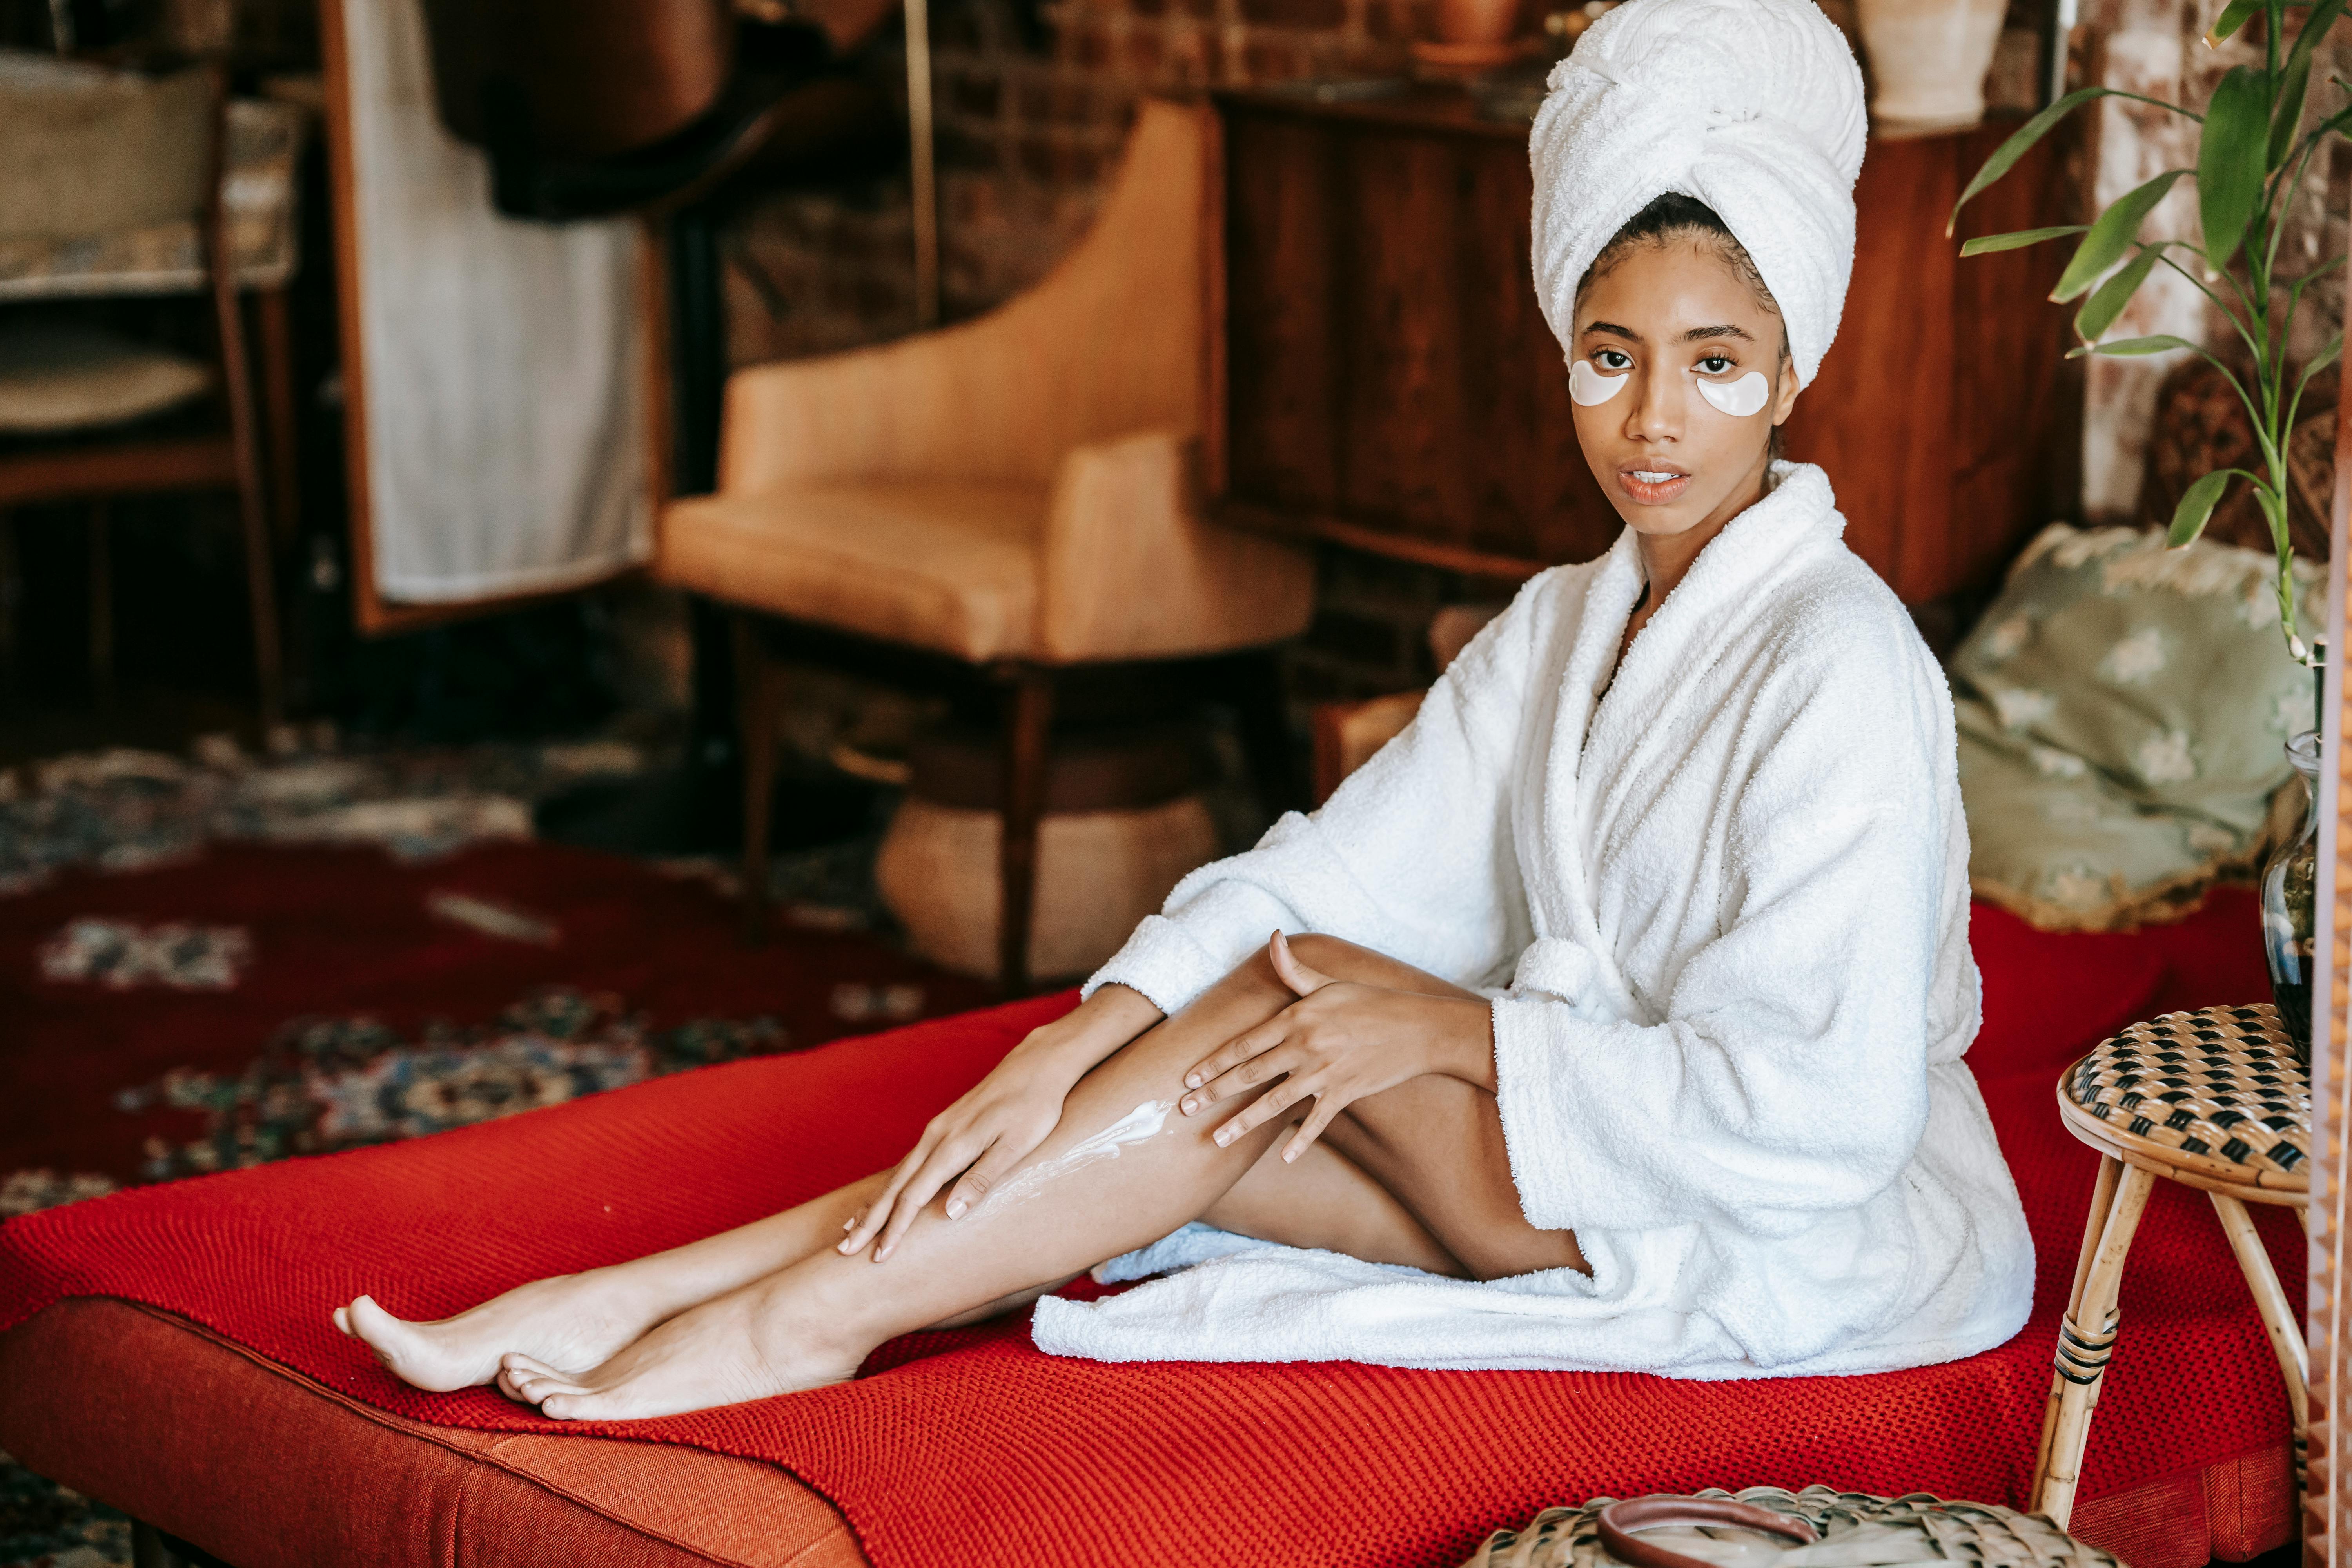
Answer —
1653 487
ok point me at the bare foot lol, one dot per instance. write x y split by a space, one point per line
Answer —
748 1344
571 1322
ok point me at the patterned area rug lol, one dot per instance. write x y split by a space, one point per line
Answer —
223 961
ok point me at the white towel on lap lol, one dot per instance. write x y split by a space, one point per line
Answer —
1723 913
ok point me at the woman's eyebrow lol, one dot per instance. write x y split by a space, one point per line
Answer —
1614 331
1700 334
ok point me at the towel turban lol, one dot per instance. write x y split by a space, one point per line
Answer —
1754 107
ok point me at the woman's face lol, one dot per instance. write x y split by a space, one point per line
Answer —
1678 380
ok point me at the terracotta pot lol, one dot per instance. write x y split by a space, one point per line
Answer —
1475 21
1929 60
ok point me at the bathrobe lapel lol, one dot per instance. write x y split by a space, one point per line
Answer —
1597 744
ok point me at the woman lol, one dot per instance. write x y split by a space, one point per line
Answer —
1624 1028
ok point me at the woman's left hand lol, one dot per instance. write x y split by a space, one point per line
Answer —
1339 1043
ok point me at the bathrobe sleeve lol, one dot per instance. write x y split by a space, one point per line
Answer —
1412 855
1787 1077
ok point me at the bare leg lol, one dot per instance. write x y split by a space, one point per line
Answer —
1434 1145
815 1321
576 1320
1421 1163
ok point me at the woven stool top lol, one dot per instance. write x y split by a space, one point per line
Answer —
2216 1093
1855 1528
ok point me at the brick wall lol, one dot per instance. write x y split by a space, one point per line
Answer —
1028 135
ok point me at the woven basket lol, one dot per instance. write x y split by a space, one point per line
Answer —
1855 1528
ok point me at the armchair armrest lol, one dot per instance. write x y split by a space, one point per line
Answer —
1132 570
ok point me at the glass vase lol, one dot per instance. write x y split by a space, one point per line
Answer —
2290 912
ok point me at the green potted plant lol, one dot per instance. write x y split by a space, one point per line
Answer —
2253 151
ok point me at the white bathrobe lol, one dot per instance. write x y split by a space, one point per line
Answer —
1722 915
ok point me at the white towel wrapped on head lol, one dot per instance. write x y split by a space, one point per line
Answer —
1754 107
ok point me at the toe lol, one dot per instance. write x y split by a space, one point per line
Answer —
534 1388
518 1363
342 1320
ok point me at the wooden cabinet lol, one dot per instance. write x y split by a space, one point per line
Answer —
1383 376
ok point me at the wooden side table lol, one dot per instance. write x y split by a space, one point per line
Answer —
2213 1100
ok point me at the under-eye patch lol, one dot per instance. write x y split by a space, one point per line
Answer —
1588 386
1739 398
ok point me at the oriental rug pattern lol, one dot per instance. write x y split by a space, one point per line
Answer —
221 960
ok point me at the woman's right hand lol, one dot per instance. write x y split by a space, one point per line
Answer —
982 1137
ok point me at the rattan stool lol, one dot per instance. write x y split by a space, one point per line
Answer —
2212 1100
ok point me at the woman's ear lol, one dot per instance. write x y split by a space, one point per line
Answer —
1790 384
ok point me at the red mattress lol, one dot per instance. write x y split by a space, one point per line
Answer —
970 1447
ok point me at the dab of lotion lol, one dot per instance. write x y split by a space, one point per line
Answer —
1739 398
1146 1120
1589 386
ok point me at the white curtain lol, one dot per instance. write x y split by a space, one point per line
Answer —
503 362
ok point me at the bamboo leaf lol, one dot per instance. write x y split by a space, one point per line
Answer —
2113 233
2295 79
2132 348
2339 120
1987 243
2005 156
2195 507
2100 310
2235 16
2320 361
2229 159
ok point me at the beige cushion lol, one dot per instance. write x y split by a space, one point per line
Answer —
949 566
2124 710
61 375
93 151
1114 562
257 199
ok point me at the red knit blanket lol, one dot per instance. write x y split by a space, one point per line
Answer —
970 1447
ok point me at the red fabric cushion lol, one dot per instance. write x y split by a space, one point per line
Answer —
971 1447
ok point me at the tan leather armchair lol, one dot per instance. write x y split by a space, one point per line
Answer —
1016 495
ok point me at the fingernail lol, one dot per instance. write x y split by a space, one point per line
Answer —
1288 1155
955 1208
843 1247
880 1253
1189 1103
1192 1080
1221 1140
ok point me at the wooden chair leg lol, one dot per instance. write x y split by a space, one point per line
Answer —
278 403
11 596
102 605
755 698
2278 1318
2086 1336
1027 755
260 550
